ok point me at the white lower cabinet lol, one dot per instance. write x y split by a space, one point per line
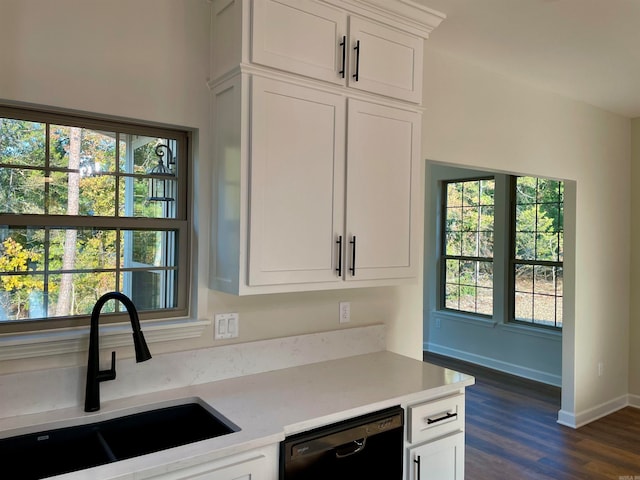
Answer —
259 464
442 459
435 439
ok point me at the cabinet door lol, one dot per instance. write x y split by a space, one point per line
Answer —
248 470
439 460
383 192
387 61
299 36
297 183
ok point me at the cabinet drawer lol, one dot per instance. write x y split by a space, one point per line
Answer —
436 418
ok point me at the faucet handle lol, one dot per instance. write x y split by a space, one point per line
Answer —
105 375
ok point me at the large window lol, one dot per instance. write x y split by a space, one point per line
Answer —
468 246
525 245
86 207
537 243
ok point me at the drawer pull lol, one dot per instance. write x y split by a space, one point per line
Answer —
447 416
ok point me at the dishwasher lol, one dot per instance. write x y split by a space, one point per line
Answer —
369 446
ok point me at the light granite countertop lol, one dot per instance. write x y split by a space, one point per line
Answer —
266 406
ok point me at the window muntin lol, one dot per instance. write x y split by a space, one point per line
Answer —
537 258
468 226
83 183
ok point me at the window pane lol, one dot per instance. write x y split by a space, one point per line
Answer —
454 194
485 274
538 226
525 246
548 191
453 272
70 194
470 244
468 273
544 280
454 219
76 293
21 191
134 200
485 301
485 245
22 142
77 148
486 219
468 230
452 297
471 193
524 306
544 309
524 278
470 219
547 247
148 248
454 243
82 249
97 196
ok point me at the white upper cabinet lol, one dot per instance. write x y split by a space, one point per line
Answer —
297 183
310 38
385 61
300 36
316 134
383 192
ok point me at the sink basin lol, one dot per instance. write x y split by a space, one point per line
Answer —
63 450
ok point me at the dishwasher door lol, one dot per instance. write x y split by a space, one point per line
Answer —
360 448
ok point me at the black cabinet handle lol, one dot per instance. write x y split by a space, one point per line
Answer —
417 465
352 268
343 44
447 416
357 49
339 269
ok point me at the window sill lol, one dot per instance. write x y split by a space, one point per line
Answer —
461 317
533 331
52 342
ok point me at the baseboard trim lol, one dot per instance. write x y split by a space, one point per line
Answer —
580 419
634 400
506 367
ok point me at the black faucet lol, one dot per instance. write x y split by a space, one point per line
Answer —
94 374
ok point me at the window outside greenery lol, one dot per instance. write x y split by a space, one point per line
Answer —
535 233
538 217
468 246
76 219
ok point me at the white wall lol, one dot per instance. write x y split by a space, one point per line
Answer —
149 60
634 333
484 120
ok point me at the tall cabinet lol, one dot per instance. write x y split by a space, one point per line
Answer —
316 126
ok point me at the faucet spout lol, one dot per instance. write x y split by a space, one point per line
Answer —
94 374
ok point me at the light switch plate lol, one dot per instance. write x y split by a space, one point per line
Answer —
226 325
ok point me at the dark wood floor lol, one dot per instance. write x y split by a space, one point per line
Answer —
512 433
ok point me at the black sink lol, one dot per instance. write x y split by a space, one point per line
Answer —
63 450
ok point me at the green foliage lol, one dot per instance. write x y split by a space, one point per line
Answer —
38 190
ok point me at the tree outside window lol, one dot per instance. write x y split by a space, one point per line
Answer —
76 219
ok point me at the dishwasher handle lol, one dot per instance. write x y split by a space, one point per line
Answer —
356 447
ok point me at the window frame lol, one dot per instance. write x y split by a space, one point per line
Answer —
182 223
512 261
443 257
504 247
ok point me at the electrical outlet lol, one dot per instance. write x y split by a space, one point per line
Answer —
345 312
437 323
226 325
600 368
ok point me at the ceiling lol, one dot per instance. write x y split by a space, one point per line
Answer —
588 50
